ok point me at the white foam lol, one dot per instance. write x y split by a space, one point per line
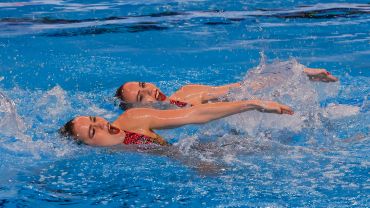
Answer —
284 82
54 102
336 111
10 122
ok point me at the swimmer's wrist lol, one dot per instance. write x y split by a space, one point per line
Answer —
254 105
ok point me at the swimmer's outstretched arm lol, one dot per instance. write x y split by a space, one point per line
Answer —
164 119
319 75
206 93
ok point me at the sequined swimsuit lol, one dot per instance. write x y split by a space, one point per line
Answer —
135 138
179 103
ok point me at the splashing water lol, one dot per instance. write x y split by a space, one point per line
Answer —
249 132
286 83
10 121
254 132
248 140
60 59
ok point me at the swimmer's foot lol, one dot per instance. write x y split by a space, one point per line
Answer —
320 75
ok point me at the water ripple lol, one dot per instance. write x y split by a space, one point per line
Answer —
164 20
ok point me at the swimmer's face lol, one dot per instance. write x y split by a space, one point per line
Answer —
97 131
142 92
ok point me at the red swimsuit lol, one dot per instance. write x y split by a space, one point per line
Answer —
179 103
135 138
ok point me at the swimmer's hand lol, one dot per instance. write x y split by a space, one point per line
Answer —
320 75
274 107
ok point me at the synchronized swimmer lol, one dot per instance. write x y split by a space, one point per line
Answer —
134 94
137 125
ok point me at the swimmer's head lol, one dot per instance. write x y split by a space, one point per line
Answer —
91 130
67 130
139 93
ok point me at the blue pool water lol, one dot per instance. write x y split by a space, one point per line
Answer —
59 59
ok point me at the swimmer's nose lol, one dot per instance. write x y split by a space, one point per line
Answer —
149 92
100 125
153 92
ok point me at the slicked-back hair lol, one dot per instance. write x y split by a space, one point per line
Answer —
119 92
122 103
67 129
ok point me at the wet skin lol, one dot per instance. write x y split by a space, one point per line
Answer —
320 75
97 131
147 93
142 92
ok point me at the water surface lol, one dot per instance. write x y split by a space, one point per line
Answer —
59 59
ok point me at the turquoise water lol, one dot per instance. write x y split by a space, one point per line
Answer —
59 59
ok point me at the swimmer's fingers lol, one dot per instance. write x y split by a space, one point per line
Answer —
325 76
320 75
274 107
284 109
331 78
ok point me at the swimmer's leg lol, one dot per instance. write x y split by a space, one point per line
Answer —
319 75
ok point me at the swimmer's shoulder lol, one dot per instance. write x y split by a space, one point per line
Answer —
137 113
191 88
135 118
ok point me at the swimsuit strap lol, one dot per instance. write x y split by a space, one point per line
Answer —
135 138
178 103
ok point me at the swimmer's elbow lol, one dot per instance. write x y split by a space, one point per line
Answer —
198 116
